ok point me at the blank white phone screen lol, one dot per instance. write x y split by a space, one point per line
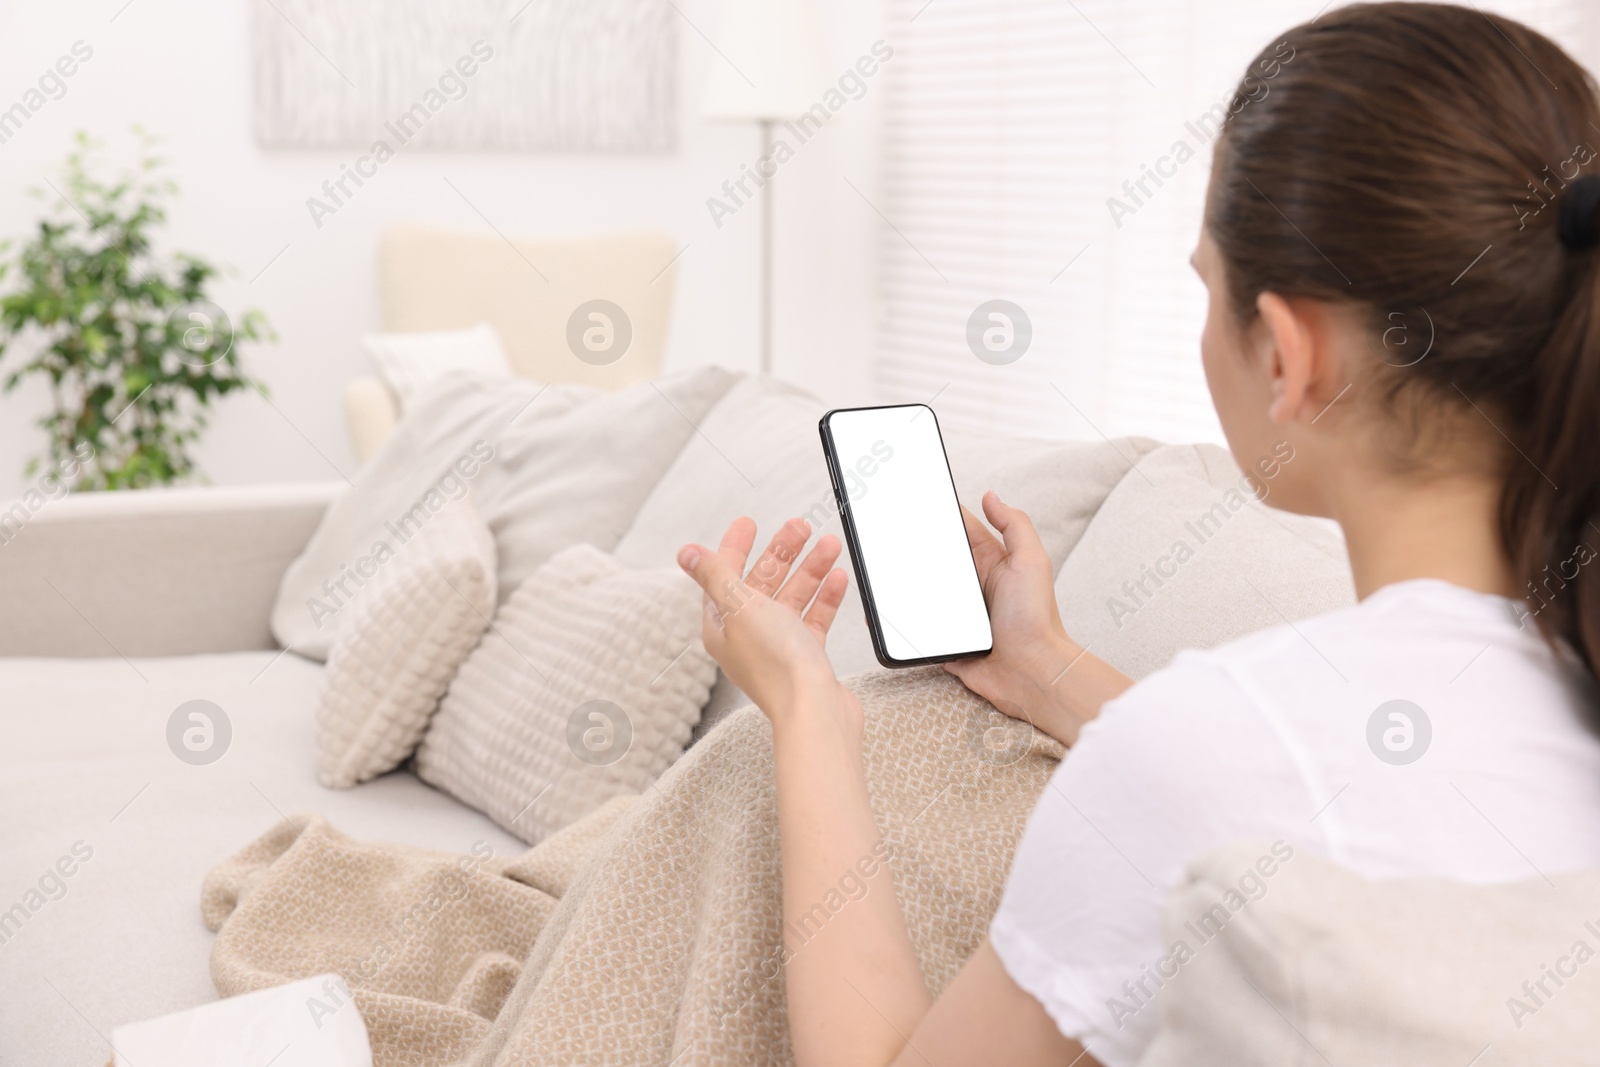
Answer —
908 527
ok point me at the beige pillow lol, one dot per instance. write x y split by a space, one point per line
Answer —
1322 966
1181 555
549 466
424 608
586 687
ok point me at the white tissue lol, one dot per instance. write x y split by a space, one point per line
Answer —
310 1023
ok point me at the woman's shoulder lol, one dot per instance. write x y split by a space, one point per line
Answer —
1284 688
1402 620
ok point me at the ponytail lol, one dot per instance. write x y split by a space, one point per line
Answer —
1550 508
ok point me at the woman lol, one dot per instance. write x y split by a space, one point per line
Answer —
1418 179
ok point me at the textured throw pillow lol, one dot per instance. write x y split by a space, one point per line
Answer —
1277 960
426 606
411 362
1182 555
586 687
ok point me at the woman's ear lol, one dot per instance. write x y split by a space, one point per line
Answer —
1290 355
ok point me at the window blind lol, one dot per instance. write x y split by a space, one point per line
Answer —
1009 125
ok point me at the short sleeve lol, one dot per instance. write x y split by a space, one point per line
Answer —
1181 763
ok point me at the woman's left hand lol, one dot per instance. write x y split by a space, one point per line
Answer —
767 628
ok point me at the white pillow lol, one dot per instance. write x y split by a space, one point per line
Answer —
1299 961
427 606
1135 598
411 362
586 687
548 466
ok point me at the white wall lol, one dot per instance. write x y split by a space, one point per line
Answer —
181 68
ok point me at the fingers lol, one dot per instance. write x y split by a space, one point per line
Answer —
727 589
978 535
737 540
826 605
1013 524
718 573
986 547
808 577
770 570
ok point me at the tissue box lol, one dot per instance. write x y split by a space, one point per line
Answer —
310 1023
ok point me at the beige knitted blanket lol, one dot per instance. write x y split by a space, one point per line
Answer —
650 932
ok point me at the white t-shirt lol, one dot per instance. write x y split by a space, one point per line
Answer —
1268 738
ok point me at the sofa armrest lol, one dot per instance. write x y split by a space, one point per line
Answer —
159 572
370 414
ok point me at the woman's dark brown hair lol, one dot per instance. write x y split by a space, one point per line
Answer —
1415 160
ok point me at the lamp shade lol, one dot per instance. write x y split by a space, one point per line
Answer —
771 66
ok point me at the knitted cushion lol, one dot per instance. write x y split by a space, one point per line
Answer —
587 687
424 607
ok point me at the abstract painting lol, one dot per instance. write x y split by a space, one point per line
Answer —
513 75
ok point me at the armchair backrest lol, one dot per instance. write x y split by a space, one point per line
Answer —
530 290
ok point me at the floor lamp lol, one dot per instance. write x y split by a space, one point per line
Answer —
768 69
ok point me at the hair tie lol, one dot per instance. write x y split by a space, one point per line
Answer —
1579 228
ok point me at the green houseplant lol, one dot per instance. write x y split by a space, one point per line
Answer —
134 351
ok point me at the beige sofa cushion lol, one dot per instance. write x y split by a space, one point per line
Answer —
586 687
426 608
86 757
1215 564
548 467
1323 966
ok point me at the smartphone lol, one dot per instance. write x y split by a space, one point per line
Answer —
908 544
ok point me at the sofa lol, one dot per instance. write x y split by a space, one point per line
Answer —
124 607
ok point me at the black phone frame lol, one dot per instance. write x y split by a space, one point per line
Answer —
857 562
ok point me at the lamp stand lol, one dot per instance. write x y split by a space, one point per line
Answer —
766 249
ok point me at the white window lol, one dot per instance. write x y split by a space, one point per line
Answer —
1009 125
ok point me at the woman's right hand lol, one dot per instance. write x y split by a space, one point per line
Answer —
1031 647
